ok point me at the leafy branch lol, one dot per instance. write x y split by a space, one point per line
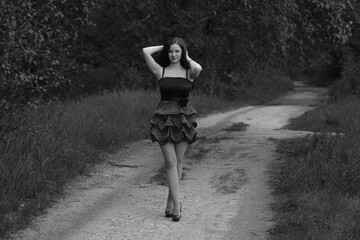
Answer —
36 13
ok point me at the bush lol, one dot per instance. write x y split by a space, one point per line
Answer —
324 71
257 86
349 84
35 41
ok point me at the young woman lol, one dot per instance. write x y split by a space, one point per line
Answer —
173 124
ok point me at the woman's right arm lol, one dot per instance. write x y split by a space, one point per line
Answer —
154 67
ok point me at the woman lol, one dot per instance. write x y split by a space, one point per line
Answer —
173 124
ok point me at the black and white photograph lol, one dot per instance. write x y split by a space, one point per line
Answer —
179 119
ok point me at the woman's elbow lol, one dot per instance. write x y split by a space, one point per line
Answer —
146 51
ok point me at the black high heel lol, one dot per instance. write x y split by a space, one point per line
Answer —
168 213
176 218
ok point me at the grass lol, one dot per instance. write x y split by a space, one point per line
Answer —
336 116
44 147
237 127
316 183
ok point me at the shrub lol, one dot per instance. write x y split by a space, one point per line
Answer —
349 84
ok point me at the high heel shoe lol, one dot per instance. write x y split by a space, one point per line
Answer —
176 218
168 213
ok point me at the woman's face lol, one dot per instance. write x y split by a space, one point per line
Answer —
175 52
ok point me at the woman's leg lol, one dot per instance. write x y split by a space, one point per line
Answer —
169 154
180 149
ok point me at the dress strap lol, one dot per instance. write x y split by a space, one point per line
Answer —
163 72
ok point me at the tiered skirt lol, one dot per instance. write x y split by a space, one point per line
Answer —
173 123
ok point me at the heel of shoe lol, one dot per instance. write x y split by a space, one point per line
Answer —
176 218
168 213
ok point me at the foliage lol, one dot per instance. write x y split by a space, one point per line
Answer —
43 147
328 162
337 116
349 84
339 66
40 41
35 43
229 38
316 187
316 183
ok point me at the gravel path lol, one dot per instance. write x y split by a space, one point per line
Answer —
224 191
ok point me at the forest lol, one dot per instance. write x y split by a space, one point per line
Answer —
51 50
55 53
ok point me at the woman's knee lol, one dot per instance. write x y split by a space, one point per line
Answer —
170 162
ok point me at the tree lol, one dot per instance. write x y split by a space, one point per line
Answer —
40 40
35 43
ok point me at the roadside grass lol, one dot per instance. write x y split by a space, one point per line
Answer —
42 148
338 116
237 127
316 182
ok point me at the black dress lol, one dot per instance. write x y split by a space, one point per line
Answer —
174 118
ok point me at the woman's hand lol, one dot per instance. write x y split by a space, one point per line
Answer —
187 56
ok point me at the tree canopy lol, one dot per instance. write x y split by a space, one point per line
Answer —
36 38
42 41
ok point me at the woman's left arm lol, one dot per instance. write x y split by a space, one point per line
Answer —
195 68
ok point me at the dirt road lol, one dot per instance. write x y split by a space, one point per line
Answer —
224 191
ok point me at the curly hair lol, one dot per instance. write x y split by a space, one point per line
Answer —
163 57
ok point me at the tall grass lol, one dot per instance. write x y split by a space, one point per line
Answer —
42 148
317 185
342 115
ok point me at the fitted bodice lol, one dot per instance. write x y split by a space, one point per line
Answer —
174 88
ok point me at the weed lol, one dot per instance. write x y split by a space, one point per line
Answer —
239 127
230 182
317 182
160 176
44 147
217 139
341 116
